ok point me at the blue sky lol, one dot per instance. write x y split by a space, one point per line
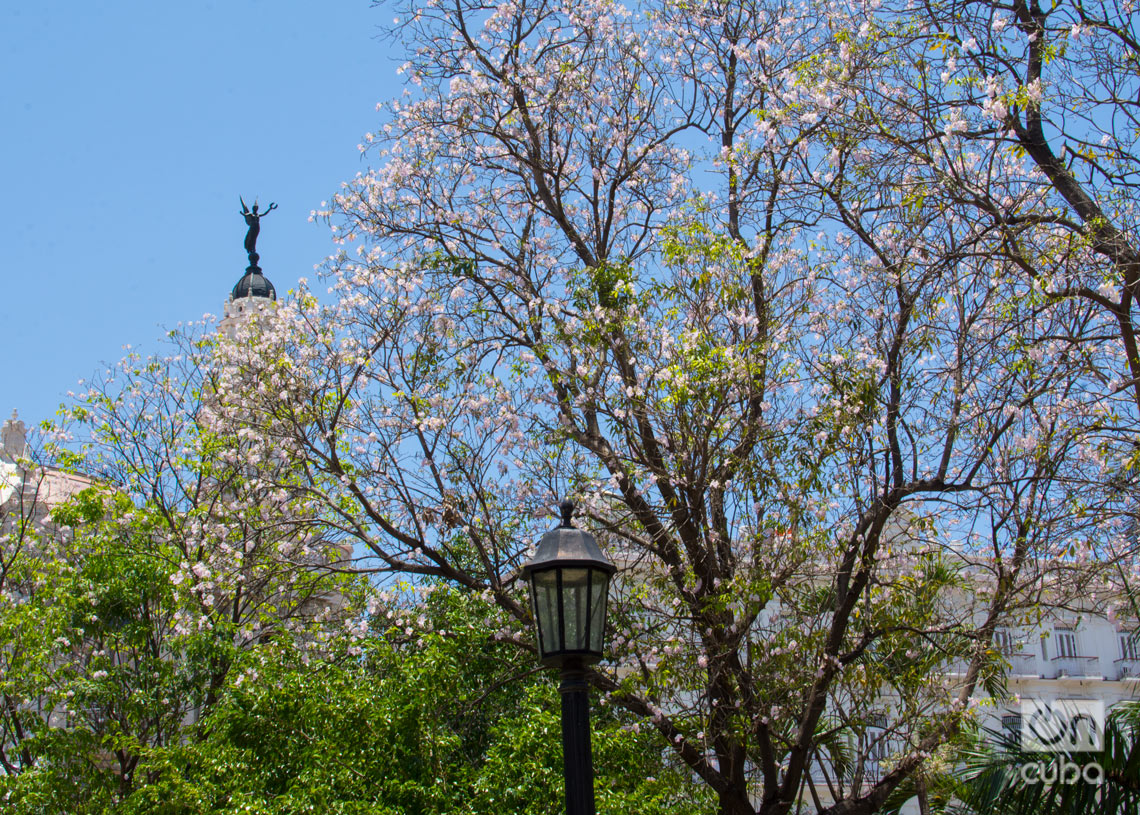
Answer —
129 128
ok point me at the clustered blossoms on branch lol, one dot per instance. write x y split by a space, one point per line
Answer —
137 570
240 554
823 311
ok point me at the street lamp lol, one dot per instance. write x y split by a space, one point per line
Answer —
569 580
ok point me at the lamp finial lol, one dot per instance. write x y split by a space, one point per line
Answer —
567 508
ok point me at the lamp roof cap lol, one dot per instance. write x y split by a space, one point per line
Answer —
567 545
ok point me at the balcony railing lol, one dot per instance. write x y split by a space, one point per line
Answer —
1026 664
1127 668
1075 666
1022 663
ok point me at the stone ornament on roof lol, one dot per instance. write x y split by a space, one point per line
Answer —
14 441
14 436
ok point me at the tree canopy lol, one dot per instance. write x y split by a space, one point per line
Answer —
822 311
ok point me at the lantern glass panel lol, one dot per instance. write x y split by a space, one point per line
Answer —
599 581
545 593
576 608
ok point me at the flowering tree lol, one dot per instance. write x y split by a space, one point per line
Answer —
243 572
125 605
1009 126
1026 129
678 262
93 675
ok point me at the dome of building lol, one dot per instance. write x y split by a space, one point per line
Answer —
254 284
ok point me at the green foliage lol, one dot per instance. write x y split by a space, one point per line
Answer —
993 781
93 673
452 721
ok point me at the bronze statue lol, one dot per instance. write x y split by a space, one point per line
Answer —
253 219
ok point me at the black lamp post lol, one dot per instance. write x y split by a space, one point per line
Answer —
569 581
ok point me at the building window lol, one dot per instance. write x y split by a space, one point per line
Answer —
878 745
1003 642
1066 642
1011 727
1128 645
